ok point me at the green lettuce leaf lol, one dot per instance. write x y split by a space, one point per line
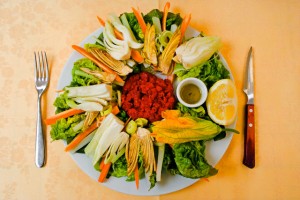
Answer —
194 112
173 19
63 128
209 72
135 27
153 13
60 103
119 168
152 180
169 162
79 77
190 160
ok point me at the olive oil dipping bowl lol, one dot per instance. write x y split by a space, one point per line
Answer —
191 92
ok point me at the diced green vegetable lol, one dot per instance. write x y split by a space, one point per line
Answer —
131 127
141 122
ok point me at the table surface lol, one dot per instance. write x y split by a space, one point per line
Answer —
271 27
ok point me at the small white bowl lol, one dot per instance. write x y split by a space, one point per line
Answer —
197 82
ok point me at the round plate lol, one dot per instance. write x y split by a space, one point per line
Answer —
169 183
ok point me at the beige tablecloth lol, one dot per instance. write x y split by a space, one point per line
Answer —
271 27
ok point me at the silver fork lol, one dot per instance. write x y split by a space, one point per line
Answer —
41 82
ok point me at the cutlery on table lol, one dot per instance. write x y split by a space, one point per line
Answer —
249 142
41 82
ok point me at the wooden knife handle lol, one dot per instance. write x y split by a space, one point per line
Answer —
249 142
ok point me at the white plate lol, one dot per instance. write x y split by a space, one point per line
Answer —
169 183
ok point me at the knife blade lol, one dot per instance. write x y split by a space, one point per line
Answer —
249 138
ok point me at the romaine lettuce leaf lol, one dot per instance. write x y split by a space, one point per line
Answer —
119 168
173 19
194 112
153 13
79 77
135 27
190 160
60 103
209 72
63 128
169 162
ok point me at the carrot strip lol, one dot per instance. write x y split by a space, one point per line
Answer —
185 24
115 110
81 136
104 172
165 15
97 62
136 55
101 21
102 164
136 176
64 114
140 19
118 34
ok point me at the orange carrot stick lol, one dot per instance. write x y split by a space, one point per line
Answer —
165 15
185 23
97 62
140 19
81 136
115 110
136 176
104 172
101 21
64 114
136 55
102 164
118 34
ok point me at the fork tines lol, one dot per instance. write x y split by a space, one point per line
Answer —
41 66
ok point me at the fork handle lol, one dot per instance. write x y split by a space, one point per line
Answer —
40 142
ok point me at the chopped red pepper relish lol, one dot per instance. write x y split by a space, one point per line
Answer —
146 96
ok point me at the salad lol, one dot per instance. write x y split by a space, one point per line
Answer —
121 110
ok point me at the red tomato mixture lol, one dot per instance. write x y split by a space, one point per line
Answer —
146 96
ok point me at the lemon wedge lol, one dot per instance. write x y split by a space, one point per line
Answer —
221 102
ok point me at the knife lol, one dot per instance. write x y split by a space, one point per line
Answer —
249 140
